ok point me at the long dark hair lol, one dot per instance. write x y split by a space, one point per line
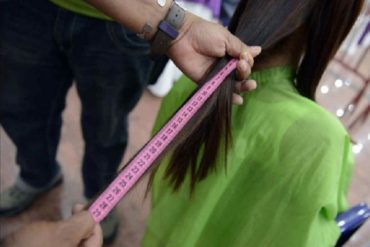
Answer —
265 23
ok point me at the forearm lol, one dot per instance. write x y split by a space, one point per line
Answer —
134 14
195 44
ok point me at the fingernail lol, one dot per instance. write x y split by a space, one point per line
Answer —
256 49
251 84
250 81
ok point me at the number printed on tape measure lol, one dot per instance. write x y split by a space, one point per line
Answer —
141 162
147 156
96 212
103 205
128 176
135 169
109 198
174 125
164 137
151 151
122 183
116 190
158 143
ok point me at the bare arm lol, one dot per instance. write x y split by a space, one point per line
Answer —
198 44
134 14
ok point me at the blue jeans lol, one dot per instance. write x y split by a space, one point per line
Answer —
43 48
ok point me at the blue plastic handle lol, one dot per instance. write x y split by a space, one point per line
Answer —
350 220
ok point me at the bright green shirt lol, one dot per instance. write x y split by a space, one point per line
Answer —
80 7
287 176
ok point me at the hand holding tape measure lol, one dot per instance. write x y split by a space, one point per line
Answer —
194 45
141 162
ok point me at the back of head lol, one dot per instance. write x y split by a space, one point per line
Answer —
327 23
264 23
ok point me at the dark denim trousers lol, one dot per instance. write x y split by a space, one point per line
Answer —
43 48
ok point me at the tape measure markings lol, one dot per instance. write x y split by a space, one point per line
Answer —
132 172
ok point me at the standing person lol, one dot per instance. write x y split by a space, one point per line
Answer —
45 45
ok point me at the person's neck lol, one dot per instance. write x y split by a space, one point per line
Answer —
287 53
276 60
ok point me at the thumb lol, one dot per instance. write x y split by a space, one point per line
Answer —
255 50
77 208
77 228
234 46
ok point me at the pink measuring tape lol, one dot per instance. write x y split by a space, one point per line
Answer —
132 172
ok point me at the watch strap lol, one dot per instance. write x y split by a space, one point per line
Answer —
168 30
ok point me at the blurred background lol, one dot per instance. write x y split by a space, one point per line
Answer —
344 91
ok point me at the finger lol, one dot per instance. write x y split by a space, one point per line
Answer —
242 87
96 239
237 87
247 86
246 55
234 46
79 227
237 99
255 50
77 208
243 70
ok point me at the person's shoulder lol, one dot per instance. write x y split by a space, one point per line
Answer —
310 122
283 111
286 106
321 118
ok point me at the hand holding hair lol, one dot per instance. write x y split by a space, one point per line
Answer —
199 43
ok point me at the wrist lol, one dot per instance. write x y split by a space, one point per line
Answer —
150 27
168 30
189 20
